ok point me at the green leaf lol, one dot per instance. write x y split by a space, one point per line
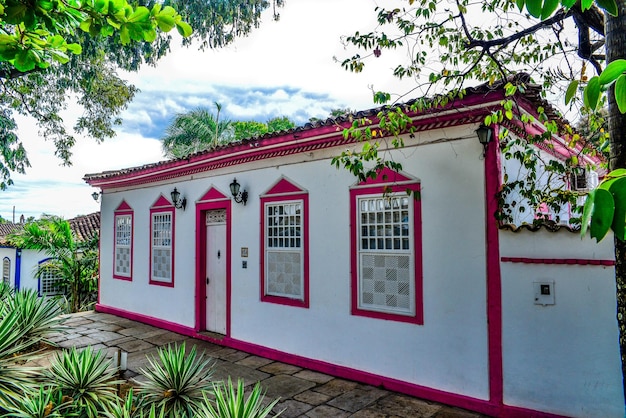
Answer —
184 29
612 71
610 6
25 60
592 93
166 23
520 4
587 210
620 93
140 14
74 48
586 4
534 7
571 91
618 190
568 3
602 215
549 6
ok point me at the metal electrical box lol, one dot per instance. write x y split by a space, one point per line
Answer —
544 293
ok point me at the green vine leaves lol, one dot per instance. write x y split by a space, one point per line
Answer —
605 207
33 34
615 72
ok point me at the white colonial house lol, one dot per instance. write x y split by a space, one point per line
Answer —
262 245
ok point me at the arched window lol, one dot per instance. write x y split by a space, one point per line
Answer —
6 271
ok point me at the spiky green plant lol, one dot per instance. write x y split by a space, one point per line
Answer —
87 377
128 409
177 383
46 403
39 317
232 403
16 378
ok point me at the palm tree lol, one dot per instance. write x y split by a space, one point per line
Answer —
76 263
196 131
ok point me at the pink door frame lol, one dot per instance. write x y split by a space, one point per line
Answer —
211 200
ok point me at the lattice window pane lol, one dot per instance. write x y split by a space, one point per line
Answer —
385 283
284 274
162 264
384 223
123 242
284 225
49 283
162 229
122 261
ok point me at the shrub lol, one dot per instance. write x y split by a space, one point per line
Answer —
177 384
87 378
231 402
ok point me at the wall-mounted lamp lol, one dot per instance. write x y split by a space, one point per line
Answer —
178 202
484 136
96 196
240 197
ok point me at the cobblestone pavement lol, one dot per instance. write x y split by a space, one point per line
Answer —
302 392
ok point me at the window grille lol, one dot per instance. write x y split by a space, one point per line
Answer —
217 216
578 179
284 254
49 283
123 239
386 281
6 270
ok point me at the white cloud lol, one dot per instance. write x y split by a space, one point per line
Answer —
282 68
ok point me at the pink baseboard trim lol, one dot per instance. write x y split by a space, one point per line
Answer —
571 261
453 399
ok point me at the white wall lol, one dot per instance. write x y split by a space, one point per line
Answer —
29 263
561 358
448 352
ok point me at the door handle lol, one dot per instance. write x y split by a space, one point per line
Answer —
218 254
207 280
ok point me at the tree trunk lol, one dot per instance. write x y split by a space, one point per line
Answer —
615 32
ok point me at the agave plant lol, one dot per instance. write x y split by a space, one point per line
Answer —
86 377
177 384
46 403
38 316
16 378
128 409
232 403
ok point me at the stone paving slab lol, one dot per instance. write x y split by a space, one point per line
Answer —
357 399
223 370
301 392
285 386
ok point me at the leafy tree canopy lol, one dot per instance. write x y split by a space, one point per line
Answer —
199 130
57 52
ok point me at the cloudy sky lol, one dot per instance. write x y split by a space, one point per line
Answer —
283 68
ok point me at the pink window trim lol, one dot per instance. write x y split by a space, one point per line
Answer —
418 317
162 205
124 210
561 261
282 197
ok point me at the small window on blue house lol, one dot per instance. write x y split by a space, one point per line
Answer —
6 270
50 282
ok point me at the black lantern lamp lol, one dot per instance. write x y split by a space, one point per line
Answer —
240 197
484 136
96 196
178 202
